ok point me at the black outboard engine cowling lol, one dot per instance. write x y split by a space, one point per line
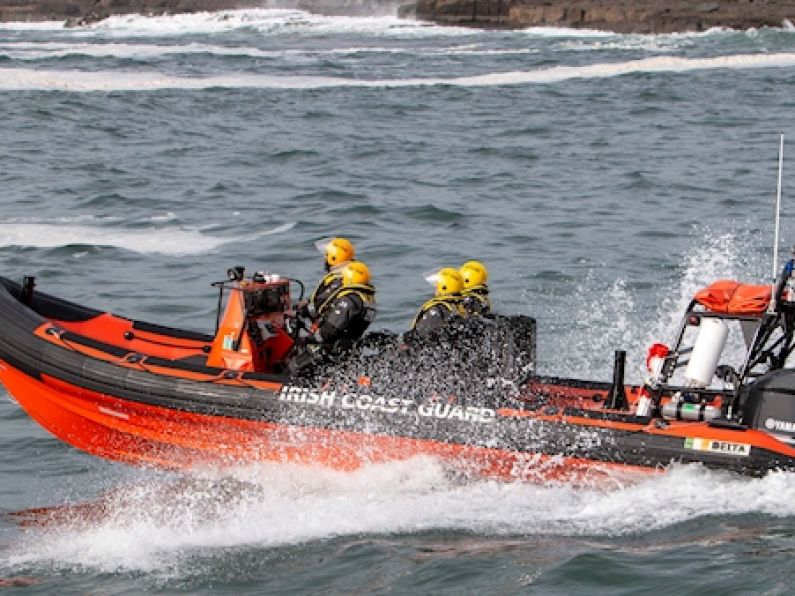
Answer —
768 404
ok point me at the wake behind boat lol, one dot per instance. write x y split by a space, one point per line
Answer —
152 395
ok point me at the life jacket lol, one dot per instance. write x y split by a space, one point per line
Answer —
330 283
364 291
452 306
476 300
335 324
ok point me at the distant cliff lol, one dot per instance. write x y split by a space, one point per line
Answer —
624 16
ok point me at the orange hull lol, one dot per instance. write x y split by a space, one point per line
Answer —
147 435
145 394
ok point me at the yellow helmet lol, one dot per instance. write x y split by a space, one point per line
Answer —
355 273
337 251
474 274
447 281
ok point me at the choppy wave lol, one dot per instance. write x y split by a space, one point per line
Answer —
645 43
170 240
31 51
276 21
44 80
47 50
149 526
264 21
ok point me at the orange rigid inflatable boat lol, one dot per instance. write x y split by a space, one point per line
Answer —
146 394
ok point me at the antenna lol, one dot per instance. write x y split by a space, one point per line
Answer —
774 283
778 211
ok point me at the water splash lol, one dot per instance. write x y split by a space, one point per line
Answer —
603 315
716 255
149 526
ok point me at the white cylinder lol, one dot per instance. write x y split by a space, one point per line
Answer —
706 352
643 406
655 366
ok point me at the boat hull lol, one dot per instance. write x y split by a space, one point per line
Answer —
146 435
87 378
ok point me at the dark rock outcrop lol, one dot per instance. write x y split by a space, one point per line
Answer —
621 16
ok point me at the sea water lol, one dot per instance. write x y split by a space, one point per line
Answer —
602 178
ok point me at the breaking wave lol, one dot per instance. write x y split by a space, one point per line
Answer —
264 21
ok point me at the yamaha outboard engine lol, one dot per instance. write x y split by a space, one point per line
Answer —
768 404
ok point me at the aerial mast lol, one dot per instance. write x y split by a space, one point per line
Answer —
777 225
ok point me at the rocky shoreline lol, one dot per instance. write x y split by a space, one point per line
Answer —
621 16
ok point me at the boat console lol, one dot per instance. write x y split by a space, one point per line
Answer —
252 334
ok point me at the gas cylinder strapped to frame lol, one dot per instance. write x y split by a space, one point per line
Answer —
768 335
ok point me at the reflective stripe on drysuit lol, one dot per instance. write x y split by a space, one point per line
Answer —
437 312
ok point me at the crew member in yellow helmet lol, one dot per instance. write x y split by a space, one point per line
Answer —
348 311
337 253
447 303
476 293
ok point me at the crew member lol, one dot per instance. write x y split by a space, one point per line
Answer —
447 303
476 292
348 311
337 252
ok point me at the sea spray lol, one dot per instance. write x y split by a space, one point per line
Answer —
149 525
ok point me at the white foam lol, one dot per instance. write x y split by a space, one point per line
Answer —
633 43
31 26
163 240
264 21
149 526
662 42
58 80
31 51
557 32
